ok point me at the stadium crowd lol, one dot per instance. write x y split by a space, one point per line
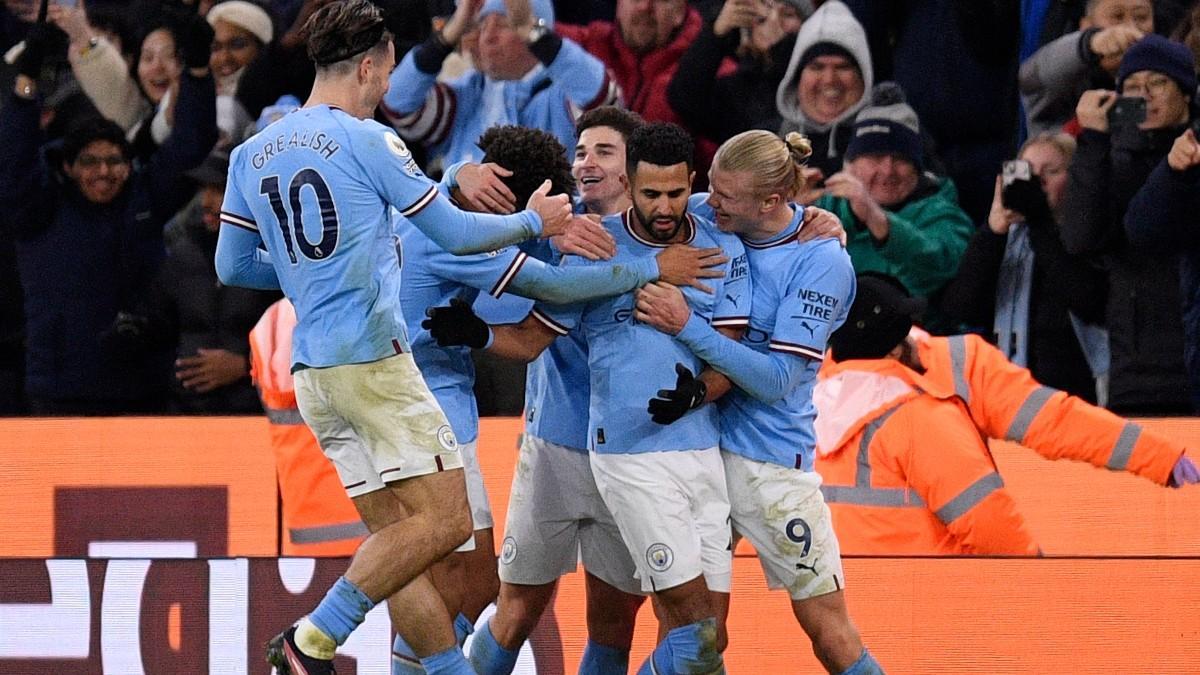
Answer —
1016 177
1083 269
1079 263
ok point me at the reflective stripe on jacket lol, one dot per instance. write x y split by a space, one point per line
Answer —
1006 402
905 471
319 520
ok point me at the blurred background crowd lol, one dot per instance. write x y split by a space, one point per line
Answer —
1028 166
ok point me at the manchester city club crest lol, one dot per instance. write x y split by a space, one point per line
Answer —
660 557
445 436
508 551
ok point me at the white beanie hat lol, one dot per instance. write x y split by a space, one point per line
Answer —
245 15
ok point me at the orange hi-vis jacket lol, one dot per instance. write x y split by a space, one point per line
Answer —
319 520
904 470
1006 402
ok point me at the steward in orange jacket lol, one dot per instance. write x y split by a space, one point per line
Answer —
319 520
904 470
1006 402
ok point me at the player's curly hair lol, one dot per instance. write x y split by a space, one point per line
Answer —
660 144
775 163
623 121
532 155
344 29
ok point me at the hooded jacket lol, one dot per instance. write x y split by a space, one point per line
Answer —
904 470
1004 401
832 23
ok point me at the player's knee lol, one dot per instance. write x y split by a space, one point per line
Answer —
452 516
694 647
722 638
516 617
459 528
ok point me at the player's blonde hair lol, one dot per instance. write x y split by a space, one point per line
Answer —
774 162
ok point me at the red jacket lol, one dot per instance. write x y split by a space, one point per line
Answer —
643 78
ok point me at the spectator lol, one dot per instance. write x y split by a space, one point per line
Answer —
957 60
1188 32
1162 218
642 49
123 92
241 33
827 82
203 322
759 36
899 219
1052 80
1145 329
142 102
88 226
903 468
1016 279
282 68
527 75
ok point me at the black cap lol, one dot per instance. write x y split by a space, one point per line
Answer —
880 318
213 170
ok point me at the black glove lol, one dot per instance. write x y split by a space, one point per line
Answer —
195 41
456 325
671 404
37 44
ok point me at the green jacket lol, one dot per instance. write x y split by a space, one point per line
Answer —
927 237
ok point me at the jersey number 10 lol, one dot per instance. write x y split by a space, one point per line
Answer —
293 228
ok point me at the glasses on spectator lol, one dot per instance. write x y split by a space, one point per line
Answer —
93 161
1153 86
234 44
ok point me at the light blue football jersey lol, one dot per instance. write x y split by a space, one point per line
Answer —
317 187
629 362
557 386
430 278
802 293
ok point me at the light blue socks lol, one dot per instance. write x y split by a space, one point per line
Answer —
488 657
601 660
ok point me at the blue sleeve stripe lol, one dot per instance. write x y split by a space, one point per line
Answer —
801 350
550 323
507 277
239 221
421 203
733 321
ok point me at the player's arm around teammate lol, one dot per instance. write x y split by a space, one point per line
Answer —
802 292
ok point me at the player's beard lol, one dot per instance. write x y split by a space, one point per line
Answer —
646 224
